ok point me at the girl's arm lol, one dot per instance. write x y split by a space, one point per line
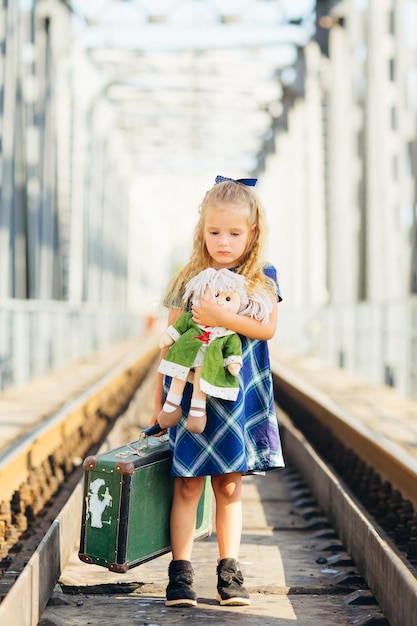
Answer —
173 315
211 314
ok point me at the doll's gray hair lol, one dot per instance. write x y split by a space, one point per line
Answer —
257 305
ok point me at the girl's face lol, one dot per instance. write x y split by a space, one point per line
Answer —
227 234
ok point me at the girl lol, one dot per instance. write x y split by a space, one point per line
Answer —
241 436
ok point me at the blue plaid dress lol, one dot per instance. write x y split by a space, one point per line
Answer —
241 435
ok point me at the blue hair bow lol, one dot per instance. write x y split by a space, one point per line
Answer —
249 182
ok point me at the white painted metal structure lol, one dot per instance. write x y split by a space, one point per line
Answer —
349 266
125 110
105 139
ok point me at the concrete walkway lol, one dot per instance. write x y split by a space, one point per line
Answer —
278 558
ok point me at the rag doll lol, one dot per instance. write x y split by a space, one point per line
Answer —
212 354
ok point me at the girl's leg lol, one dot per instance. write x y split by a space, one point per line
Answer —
227 490
187 492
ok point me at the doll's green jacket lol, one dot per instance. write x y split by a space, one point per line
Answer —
221 347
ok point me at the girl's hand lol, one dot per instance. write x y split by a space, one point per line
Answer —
208 314
154 420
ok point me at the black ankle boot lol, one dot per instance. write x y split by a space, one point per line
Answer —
180 587
230 584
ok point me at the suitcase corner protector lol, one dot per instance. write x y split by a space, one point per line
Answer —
125 468
120 568
86 559
90 463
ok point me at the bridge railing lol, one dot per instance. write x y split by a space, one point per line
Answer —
377 341
37 336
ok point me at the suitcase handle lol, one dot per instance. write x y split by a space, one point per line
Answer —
152 430
144 439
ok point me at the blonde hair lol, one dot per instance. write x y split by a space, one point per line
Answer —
252 263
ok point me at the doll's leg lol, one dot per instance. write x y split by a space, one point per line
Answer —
171 411
197 417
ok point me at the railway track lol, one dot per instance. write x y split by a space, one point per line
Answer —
366 485
42 466
363 482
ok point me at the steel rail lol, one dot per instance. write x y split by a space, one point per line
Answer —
389 459
32 448
26 597
389 576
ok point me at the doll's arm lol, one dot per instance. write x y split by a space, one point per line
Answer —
166 340
233 354
174 331
159 383
234 368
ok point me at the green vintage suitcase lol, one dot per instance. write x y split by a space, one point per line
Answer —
127 503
